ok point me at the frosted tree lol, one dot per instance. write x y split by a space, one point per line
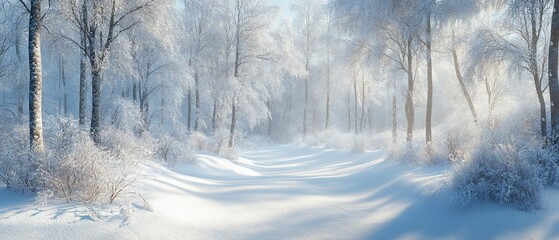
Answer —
102 23
401 35
453 16
529 21
198 18
245 44
309 21
522 43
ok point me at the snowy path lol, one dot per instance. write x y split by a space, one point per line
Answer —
286 192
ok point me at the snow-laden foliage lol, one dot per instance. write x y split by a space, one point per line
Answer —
18 168
499 174
507 168
174 150
73 167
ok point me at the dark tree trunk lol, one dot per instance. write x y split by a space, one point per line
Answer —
429 113
553 72
135 92
83 84
541 100
233 122
35 78
96 84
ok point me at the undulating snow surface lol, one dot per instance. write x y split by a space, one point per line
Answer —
283 192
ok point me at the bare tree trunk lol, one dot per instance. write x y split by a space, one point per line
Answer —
429 113
328 92
36 78
59 88
553 72
541 100
410 111
349 109
20 103
189 109
355 103
135 92
214 113
306 104
96 84
270 118
394 113
362 103
64 92
197 102
463 85
83 83
233 122
288 112
370 109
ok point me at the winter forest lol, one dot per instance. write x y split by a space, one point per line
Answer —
279 119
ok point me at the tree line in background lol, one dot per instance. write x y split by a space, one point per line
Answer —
216 70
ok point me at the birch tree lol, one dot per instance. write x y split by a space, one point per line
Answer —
33 8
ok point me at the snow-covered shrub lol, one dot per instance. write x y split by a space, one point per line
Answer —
125 145
125 115
500 174
74 168
127 152
18 168
220 143
457 141
432 155
199 140
546 160
404 153
173 150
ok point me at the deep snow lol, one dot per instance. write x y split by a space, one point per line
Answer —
284 192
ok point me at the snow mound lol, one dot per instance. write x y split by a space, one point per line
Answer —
208 165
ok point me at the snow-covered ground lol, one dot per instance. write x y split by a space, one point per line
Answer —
284 192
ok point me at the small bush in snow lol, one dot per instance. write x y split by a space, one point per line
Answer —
18 168
503 173
172 150
457 141
220 144
72 167
75 169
